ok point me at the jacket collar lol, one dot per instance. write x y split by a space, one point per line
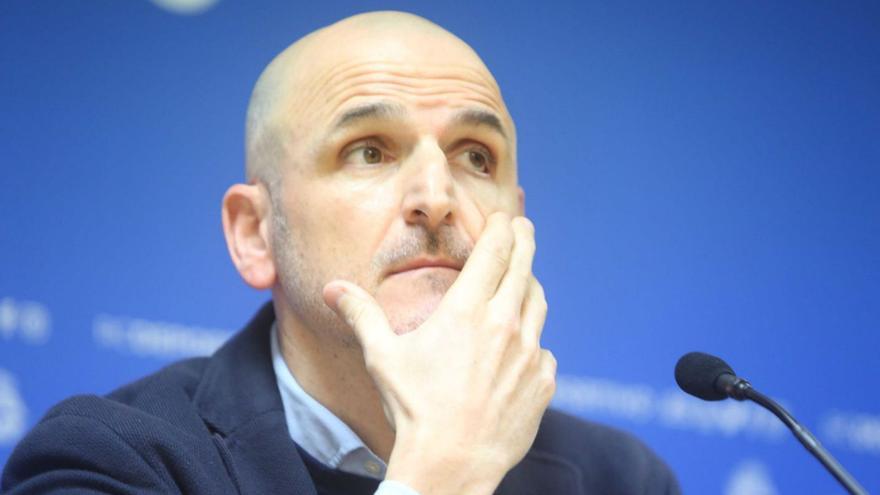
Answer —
238 384
238 399
541 473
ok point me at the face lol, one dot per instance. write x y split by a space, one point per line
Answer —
394 159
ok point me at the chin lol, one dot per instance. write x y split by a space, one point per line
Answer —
406 327
409 302
408 317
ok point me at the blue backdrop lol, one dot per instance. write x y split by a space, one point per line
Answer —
702 175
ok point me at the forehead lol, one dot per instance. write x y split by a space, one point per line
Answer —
418 80
418 72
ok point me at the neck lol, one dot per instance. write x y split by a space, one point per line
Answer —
334 374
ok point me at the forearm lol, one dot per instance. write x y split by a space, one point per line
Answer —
430 468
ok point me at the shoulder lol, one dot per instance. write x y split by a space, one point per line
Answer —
176 382
608 460
129 441
164 397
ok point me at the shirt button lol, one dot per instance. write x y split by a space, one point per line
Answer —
372 467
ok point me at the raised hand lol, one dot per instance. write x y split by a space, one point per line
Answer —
465 391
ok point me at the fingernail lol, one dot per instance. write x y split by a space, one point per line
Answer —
333 294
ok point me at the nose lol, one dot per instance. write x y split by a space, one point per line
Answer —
429 198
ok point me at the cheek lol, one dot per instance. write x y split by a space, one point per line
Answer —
365 211
478 201
341 223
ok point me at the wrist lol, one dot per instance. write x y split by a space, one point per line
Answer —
434 482
431 470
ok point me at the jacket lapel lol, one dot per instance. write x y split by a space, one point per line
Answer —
541 473
239 401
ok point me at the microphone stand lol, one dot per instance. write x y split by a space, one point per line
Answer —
741 389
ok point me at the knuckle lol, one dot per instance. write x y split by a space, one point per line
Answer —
539 297
356 314
539 290
529 347
373 359
547 378
371 362
498 254
550 361
550 386
506 325
542 306
457 314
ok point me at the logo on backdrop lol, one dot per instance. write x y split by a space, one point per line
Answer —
27 321
155 338
669 408
859 432
12 410
185 7
750 477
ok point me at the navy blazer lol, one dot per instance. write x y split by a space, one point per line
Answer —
216 425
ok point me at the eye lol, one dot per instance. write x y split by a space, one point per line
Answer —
371 154
478 159
365 154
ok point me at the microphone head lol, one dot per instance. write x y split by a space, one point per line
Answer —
697 373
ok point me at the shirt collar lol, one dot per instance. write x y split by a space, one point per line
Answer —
317 430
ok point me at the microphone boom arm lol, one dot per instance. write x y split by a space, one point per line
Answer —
741 389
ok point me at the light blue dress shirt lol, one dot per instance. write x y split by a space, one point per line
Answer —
323 435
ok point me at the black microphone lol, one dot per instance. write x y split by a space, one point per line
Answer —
710 378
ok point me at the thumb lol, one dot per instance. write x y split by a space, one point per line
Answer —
357 308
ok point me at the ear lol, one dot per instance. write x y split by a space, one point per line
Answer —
521 196
246 216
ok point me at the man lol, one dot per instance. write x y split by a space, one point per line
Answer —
383 211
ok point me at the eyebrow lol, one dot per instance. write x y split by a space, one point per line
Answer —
379 110
478 117
393 111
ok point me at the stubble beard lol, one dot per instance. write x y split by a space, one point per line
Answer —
303 285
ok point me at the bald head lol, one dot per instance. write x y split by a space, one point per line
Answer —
380 138
302 84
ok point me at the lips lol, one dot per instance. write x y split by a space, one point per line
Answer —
420 263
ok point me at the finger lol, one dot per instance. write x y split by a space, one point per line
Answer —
534 314
548 373
360 311
516 280
487 263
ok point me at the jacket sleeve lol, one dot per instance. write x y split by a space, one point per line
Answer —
71 453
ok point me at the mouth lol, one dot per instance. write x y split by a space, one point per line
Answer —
419 264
